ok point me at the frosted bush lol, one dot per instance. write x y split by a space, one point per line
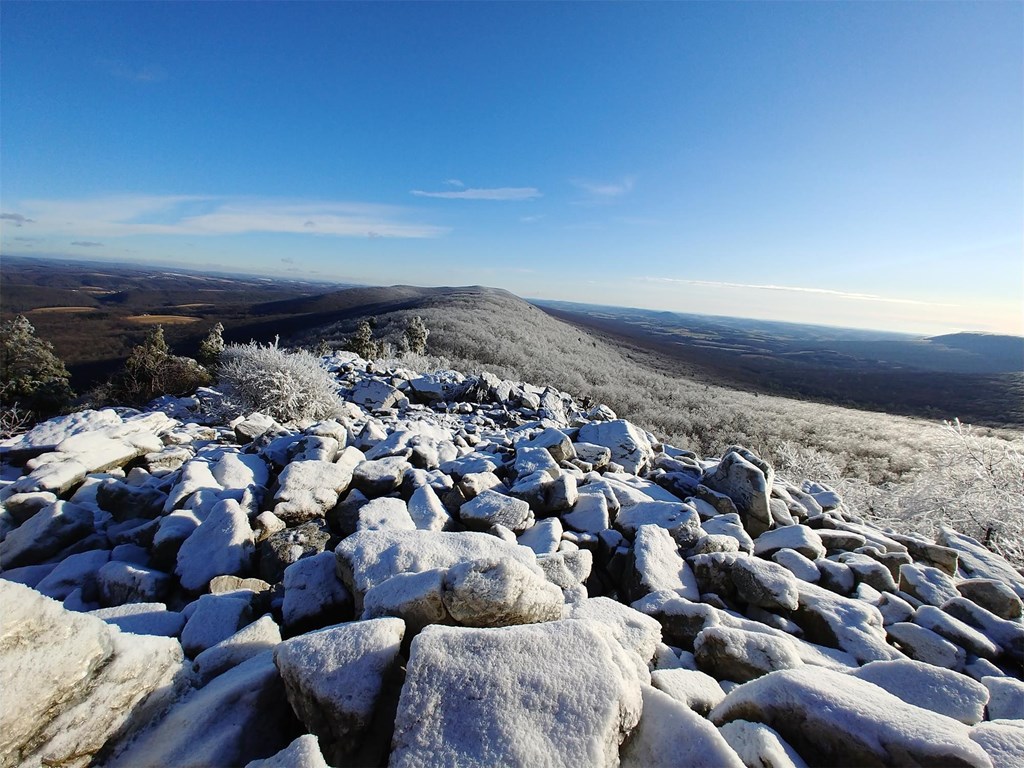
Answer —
286 385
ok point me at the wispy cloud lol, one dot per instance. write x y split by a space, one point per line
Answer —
493 193
598 192
846 295
531 219
208 215
87 243
136 74
16 219
455 183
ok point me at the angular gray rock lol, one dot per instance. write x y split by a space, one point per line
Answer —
697 690
334 678
304 752
223 544
215 618
628 446
493 508
70 682
239 716
657 566
559 694
992 595
835 719
368 558
741 656
313 594
747 480
308 489
252 640
929 687
670 734
45 534
415 598
760 746
497 593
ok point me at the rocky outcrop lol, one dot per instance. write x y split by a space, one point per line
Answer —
553 585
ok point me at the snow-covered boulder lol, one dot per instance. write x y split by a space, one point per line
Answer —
671 734
559 693
496 593
832 718
334 677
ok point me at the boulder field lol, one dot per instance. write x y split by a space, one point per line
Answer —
465 571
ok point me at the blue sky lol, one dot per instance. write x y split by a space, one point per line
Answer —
856 164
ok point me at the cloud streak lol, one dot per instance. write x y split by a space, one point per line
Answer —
599 192
16 219
194 215
845 295
471 193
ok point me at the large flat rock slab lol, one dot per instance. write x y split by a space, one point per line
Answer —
835 719
561 693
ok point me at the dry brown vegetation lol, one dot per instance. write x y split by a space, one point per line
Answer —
161 319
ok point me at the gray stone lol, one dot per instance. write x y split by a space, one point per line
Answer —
308 489
416 598
368 558
215 618
223 544
657 566
927 646
633 630
840 622
334 678
70 682
143 619
978 561
741 656
125 502
760 746
628 446
256 638
697 690
1003 742
75 572
498 593
956 631
505 683
992 595
380 477
304 752
119 583
376 395
927 584
764 583
1008 635
1006 698
45 534
427 511
239 716
796 537
314 595
747 480
492 508
281 549
670 734
930 687
384 512
831 718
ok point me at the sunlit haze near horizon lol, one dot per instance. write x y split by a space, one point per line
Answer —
845 164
